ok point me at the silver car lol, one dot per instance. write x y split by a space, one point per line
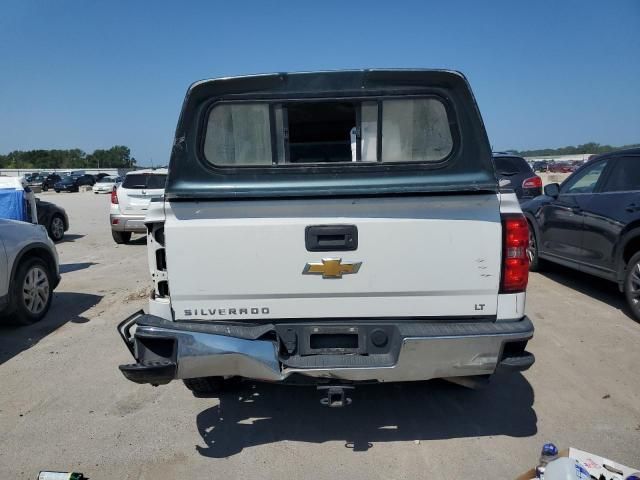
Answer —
29 271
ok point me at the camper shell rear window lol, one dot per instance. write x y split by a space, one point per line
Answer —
295 132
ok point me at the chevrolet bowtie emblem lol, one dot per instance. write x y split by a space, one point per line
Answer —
331 268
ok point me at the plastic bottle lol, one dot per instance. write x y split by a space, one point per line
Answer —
548 454
61 476
566 468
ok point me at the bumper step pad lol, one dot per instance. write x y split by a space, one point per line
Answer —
155 373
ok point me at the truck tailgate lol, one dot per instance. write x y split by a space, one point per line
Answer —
418 256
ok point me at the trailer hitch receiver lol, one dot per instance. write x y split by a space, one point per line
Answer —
336 395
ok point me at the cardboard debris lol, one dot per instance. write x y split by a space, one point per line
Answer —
597 466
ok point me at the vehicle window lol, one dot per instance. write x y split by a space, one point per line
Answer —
140 181
135 181
586 180
238 135
412 130
156 181
625 175
507 165
415 131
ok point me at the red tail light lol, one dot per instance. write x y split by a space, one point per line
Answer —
114 195
533 182
515 262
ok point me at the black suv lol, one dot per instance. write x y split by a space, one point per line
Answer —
515 173
592 222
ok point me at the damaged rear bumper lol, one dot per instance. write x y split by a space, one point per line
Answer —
404 351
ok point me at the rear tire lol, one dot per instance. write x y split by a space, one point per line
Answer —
205 385
632 285
56 228
121 237
532 250
31 292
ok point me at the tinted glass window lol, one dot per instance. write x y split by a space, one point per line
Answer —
511 165
135 181
585 181
156 181
140 181
625 175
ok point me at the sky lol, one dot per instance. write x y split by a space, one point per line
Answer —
89 74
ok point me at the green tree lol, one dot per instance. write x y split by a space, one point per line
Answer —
118 156
591 147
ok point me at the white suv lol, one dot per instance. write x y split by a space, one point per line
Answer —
130 201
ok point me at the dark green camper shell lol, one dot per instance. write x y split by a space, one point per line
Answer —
287 135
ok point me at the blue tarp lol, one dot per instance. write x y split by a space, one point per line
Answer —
13 205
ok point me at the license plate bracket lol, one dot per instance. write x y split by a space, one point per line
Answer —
323 340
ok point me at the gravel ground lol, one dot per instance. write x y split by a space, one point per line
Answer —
65 406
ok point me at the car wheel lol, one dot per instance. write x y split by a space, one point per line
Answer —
121 237
56 228
532 250
32 292
44 188
632 285
205 385
57 191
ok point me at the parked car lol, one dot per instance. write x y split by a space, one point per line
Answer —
72 183
28 271
540 166
106 184
130 201
560 167
35 180
53 218
49 181
514 172
281 249
592 222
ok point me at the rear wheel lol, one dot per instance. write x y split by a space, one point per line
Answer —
205 385
31 292
44 188
632 285
56 228
532 250
121 237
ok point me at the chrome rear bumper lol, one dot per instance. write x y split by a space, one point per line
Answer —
424 350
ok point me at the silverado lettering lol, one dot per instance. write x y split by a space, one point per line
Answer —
188 312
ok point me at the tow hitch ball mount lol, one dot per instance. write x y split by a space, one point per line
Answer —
336 395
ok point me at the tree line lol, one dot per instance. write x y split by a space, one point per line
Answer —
117 156
591 147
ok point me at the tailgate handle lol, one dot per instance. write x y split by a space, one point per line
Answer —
331 238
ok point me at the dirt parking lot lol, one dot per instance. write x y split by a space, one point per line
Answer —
65 406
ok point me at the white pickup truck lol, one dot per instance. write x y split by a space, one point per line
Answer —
332 227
